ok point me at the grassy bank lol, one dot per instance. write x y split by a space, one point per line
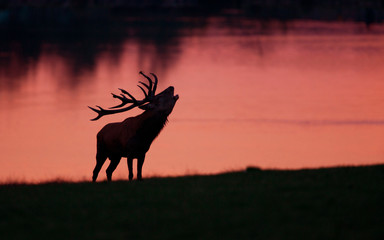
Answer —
337 203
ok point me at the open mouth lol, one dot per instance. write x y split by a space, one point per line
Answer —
176 96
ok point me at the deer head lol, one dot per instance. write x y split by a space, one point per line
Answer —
162 102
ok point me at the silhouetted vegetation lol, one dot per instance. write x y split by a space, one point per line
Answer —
337 203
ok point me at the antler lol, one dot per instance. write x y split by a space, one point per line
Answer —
148 96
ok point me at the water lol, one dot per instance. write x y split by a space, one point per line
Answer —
268 94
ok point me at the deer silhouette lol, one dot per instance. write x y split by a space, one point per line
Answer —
133 137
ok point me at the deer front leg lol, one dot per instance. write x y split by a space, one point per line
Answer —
112 166
130 162
140 162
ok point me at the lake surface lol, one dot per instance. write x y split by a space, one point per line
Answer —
284 95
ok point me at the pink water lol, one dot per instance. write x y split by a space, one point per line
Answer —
291 99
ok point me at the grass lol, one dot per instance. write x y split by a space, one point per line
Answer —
334 203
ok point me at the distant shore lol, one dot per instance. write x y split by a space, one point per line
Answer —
64 12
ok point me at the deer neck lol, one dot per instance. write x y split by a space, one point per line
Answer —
152 123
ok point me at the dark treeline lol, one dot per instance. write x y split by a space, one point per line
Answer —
69 11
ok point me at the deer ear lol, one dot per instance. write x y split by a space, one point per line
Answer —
148 106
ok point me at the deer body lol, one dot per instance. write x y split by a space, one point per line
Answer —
132 137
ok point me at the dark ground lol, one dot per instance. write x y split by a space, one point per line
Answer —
336 203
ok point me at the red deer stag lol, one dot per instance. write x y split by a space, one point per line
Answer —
132 137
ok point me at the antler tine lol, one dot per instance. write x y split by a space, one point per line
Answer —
98 111
102 112
150 91
149 87
124 100
127 93
155 84
145 93
121 97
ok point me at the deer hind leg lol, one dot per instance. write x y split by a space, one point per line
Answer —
100 159
140 162
130 163
112 166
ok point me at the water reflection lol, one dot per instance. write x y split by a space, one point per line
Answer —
271 93
158 43
158 39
